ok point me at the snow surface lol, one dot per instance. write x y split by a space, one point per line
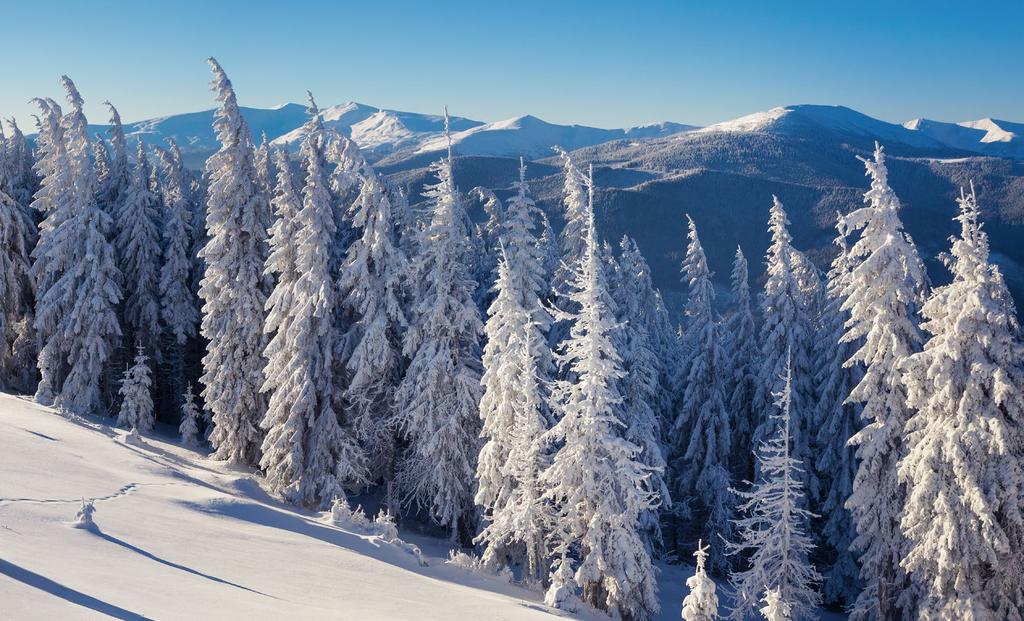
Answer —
534 137
177 536
987 136
756 122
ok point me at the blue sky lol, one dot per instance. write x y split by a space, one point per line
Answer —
599 63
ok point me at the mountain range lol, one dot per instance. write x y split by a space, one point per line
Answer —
382 132
648 178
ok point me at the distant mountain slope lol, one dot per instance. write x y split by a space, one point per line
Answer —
399 136
985 137
532 137
988 136
381 133
194 133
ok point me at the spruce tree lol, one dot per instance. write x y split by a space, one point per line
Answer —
701 428
775 608
16 290
883 294
742 354
520 292
119 179
570 241
514 413
701 604
643 397
596 478
514 406
138 248
307 455
231 288
774 527
373 291
964 467
177 301
438 399
839 421
136 411
189 427
788 327
75 264
23 179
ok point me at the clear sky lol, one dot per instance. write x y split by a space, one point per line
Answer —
608 64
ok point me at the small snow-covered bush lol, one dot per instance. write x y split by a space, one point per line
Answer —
458 558
384 525
344 517
83 519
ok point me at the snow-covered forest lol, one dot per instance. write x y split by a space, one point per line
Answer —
840 435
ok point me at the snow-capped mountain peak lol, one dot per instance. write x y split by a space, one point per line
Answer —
758 121
986 136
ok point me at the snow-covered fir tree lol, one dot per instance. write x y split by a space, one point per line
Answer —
188 429
16 289
514 405
75 268
282 262
774 527
138 248
307 455
551 254
643 397
486 238
596 478
701 431
119 178
49 200
347 180
775 608
839 421
788 327
177 302
266 173
20 160
570 238
438 399
373 290
233 299
964 468
514 413
662 335
563 591
136 392
740 340
883 294
701 603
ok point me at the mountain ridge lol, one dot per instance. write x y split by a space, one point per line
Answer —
385 133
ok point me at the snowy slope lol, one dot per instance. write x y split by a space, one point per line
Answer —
380 132
533 137
806 118
194 130
179 537
383 132
987 136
